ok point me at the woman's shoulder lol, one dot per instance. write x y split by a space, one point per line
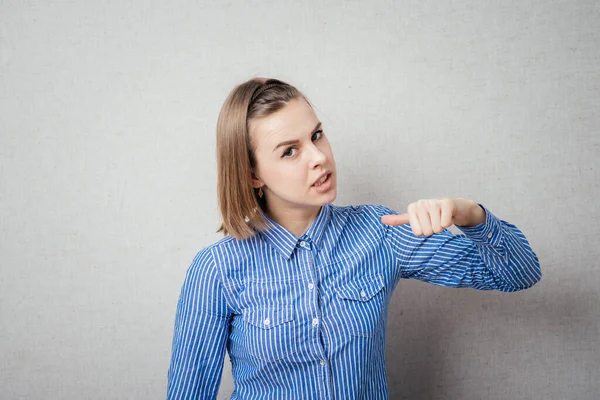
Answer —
208 260
363 210
206 250
363 218
229 249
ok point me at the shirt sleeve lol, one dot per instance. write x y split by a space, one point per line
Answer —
494 255
201 332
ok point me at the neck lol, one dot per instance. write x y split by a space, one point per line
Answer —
294 220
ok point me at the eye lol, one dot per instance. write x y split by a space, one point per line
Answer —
291 151
288 152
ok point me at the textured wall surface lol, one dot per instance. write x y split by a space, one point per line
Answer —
107 165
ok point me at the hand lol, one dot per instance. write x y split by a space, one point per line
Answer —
427 217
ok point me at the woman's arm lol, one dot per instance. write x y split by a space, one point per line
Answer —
494 255
200 337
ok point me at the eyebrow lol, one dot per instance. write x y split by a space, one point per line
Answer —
296 141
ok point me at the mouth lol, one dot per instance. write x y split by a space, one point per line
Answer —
324 179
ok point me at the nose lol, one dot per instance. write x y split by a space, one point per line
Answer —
317 157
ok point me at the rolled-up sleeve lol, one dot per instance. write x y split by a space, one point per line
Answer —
494 255
200 334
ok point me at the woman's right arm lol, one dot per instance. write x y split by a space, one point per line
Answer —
200 337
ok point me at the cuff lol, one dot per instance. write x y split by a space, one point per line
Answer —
489 233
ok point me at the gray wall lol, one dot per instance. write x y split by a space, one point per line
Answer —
107 165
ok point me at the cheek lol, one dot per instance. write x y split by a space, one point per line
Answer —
283 176
291 177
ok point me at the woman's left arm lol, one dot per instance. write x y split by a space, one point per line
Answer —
491 254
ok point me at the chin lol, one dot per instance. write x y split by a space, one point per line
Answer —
330 197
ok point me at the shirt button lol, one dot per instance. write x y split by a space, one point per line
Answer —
311 286
302 243
267 321
323 362
315 321
363 294
489 235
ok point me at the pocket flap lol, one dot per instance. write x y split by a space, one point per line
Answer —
363 288
267 318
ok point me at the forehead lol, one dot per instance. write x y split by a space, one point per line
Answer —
293 121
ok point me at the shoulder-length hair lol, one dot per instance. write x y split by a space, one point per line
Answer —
239 202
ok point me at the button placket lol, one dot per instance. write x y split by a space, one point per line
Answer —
311 286
314 297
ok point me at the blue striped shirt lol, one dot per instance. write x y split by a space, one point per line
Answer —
306 317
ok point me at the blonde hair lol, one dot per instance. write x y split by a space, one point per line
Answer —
238 200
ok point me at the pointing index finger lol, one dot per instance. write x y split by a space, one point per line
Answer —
394 220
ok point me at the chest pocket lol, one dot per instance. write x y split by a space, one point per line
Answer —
361 302
270 332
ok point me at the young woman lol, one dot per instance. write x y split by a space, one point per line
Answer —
297 292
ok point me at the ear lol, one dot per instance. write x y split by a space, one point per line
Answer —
256 181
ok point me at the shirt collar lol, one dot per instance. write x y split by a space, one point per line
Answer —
284 241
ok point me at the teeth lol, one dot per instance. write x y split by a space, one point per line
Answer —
320 181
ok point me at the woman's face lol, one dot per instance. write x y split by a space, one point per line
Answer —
292 153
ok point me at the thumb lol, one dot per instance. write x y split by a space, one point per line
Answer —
395 219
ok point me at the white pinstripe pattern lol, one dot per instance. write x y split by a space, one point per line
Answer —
306 317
